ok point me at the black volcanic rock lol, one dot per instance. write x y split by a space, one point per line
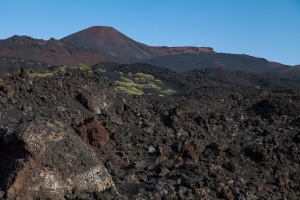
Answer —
57 162
222 134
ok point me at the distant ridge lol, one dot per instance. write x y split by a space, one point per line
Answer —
105 44
113 42
292 72
51 51
184 62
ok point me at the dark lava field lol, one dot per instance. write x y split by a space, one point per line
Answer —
141 132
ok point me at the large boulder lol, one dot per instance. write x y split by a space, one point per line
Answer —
96 103
57 162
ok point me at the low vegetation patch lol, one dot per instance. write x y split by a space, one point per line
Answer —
153 86
131 90
41 75
169 91
145 76
158 81
61 69
136 84
101 70
133 84
126 79
83 67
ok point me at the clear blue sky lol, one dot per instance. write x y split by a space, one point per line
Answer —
261 28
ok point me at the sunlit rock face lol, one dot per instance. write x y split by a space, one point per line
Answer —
57 162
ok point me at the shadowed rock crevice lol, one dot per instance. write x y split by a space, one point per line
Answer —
264 108
13 156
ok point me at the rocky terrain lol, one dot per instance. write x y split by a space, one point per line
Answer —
135 131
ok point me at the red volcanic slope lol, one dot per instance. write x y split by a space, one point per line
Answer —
109 40
115 43
52 51
292 72
89 46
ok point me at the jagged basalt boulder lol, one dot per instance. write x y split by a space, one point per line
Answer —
58 161
96 104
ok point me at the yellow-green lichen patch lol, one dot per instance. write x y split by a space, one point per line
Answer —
61 69
152 86
127 80
101 70
131 91
41 75
145 76
140 83
158 81
83 67
169 91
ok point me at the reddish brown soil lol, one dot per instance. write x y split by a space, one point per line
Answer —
52 51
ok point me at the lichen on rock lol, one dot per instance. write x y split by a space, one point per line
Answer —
58 162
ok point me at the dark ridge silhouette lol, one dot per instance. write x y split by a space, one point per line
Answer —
291 72
184 62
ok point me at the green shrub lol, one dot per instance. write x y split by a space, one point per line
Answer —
169 91
142 79
131 91
83 67
139 82
101 70
146 76
41 75
152 86
127 80
128 84
158 81
61 69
